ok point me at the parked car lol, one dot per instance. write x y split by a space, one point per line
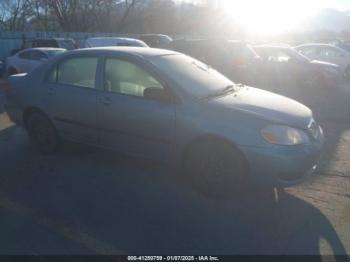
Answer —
235 59
327 53
65 43
28 59
167 106
284 65
342 44
113 41
156 40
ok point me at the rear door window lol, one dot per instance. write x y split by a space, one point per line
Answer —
127 78
80 71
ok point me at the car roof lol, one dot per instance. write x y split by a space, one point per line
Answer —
191 40
44 49
113 38
50 39
154 35
138 51
322 45
113 41
272 47
316 45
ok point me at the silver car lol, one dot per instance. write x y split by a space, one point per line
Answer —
167 106
28 59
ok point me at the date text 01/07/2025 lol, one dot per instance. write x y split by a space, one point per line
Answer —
172 258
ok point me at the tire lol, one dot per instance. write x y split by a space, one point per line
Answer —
217 169
42 133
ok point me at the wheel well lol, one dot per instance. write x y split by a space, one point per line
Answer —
201 139
30 110
12 69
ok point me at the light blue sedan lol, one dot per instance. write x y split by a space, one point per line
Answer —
166 106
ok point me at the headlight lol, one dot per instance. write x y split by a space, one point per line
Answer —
284 135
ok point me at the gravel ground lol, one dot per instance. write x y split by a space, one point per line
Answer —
91 201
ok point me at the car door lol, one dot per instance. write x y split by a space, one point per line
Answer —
71 98
128 121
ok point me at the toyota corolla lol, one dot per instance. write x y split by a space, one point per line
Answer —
167 106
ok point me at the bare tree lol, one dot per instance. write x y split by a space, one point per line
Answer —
65 12
126 16
15 14
129 5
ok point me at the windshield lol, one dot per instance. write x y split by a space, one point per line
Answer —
51 53
193 76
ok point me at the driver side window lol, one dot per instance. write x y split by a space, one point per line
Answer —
127 78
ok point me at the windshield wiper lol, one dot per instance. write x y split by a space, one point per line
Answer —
224 91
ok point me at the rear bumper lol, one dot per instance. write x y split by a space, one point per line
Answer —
283 166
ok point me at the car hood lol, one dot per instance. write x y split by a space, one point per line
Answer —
266 105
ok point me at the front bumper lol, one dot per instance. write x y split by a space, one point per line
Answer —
283 165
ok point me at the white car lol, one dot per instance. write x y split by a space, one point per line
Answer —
113 41
28 59
327 53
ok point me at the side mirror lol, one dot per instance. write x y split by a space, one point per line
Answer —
158 94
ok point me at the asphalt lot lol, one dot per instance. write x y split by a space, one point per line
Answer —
91 201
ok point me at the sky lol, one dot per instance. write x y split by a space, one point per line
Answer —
268 17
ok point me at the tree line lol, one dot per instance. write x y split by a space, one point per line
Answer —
116 16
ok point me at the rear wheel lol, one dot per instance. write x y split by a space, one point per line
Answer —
217 169
42 133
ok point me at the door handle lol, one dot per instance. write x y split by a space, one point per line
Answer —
106 101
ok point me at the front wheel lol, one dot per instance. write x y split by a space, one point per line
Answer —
42 133
217 169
